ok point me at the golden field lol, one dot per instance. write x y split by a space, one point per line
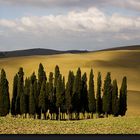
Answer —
120 63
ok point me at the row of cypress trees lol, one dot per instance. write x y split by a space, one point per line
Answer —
41 95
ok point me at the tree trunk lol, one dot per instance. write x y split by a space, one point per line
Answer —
44 116
59 114
68 116
97 115
106 114
77 116
84 115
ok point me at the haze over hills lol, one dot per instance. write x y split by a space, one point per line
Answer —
41 51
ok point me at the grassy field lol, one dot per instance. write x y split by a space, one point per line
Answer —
119 125
119 63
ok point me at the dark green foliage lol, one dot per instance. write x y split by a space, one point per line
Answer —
41 77
17 106
84 94
4 95
27 93
63 95
32 107
33 78
77 87
47 96
57 73
51 94
38 96
98 95
42 98
23 105
69 91
35 93
20 81
107 95
115 100
59 92
14 96
20 94
123 97
91 94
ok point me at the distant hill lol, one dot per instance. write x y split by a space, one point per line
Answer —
134 47
37 51
40 51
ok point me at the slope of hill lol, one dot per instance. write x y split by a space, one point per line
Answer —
37 51
134 47
119 62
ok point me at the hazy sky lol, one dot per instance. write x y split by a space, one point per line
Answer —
68 24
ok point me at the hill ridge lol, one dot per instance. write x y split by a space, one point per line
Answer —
43 51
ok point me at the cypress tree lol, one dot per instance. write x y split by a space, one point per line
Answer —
33 78
57 73
20 90
20 95
59 94
26 94
76 93
4 95
107 95
42 99
123 97
41 77
115 101
69 91
23 106
98 95
51 94
35 90
91 95
64 110
84 94
63 98
32 107
14 95
47 98
35 93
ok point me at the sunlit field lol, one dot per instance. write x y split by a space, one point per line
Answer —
111 125
119 63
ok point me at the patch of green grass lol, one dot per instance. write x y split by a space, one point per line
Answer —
111 125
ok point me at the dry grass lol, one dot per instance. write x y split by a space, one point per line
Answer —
119 63
119 125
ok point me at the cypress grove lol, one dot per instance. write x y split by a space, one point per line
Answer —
54 100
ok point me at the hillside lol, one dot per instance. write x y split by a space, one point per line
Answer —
119 62
134 47
38 51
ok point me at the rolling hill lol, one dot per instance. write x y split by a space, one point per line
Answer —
120 62
40 51
37 51
134 47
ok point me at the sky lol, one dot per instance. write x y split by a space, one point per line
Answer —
68 24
